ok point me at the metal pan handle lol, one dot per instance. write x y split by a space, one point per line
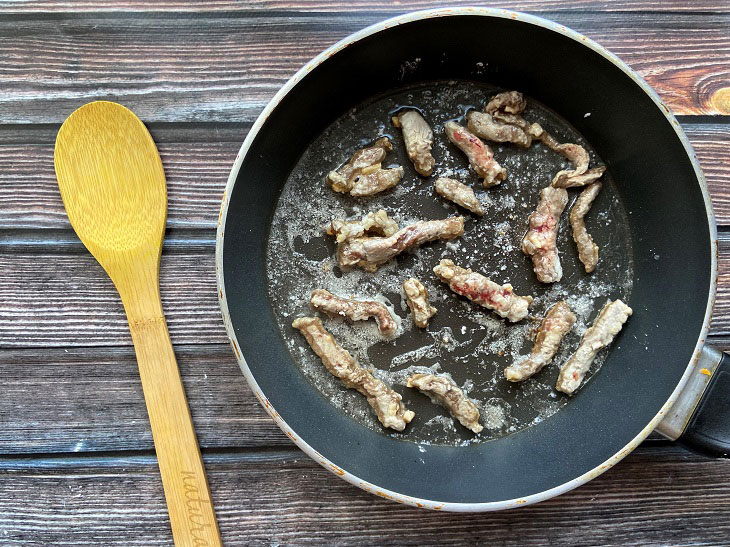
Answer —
700 419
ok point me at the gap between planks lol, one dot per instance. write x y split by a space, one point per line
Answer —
13 11
656 448
198 6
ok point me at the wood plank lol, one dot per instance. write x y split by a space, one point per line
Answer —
536 6
197 162
196 176
225 67
90 400
711 143
656 496
65 300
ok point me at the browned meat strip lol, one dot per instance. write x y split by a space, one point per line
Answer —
557 323
580 175
386 403
481 157
576 155
363 174
539 242
512 102
368 184
572 152
459 193
378 223
362 159
370 252
574 181
483 291
599 335
485 126
417 299
535 130
450 396
418 138
505 110
355 310
587 249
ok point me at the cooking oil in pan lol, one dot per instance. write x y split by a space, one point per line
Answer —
468 343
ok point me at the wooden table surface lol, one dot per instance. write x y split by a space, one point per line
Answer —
77 465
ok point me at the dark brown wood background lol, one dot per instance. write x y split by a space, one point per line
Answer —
77 465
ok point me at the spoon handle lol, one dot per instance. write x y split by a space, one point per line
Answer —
183 477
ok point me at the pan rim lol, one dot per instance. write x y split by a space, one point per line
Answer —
303 445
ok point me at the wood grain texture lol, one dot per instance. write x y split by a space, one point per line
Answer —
70 380
196 176
141 6
60 300
656 496
198 159
96 401
711 143
225 67
67 300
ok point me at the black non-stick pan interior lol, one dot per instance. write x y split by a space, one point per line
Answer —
468 343
660 210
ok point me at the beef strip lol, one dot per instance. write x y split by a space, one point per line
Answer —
505 110
363 175
512 102
540 240
481 157
355 310
450 396
580 175
531 129
485 126
587 249
537 132
369 184
386 403
369 253
599 335
576 155
459 193
378 223
417 300
557 323
361 159
483 291
562 180
418 138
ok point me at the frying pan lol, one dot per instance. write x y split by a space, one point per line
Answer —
660 376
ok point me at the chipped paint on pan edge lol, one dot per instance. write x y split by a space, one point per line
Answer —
383 492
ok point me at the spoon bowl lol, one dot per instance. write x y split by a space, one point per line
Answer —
111 180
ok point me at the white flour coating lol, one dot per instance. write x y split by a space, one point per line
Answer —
493 413
444 421
469 344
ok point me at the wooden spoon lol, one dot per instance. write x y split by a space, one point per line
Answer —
113 187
